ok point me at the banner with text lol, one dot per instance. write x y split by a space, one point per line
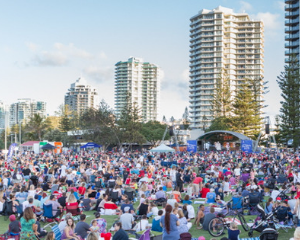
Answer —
11 151
192 146
246 146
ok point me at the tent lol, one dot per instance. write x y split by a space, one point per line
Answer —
91 145
162 148
48 146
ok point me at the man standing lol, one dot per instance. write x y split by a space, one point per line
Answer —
197 186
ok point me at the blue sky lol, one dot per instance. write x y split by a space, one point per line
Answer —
47 45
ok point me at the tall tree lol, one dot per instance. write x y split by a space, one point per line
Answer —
153 132
65 118
289 83
130 125
99 125
36 127
222 98
246 116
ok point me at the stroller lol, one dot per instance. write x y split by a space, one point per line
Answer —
269 234
262 222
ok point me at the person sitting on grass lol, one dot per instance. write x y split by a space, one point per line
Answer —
200 216
14 227
208 217
233 231
156 222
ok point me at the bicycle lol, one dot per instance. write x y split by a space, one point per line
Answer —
218 224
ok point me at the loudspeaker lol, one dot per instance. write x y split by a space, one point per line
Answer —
171 132
267 128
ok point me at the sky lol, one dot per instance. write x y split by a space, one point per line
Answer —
46 45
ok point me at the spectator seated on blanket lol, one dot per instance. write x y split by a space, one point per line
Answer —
187 200
211 196
205 190
160 194
208 217
14 227
110 208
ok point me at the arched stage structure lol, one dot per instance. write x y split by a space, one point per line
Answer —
220 140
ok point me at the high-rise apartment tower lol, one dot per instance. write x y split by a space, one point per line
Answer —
137 82
221 40
292 29
81 96
24 109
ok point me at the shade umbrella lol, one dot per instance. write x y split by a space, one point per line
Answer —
145 179
48 146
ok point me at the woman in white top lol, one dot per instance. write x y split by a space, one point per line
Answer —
237 172
31 192
171 201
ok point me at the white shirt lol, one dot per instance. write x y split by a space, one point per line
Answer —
237 172
63 171
172 202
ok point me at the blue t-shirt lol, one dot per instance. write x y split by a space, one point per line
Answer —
211 196
174 233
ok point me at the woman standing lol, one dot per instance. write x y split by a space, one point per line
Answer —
69 231
28 226
169 223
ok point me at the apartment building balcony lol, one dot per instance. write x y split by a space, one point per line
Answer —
292 14
292 52
292 44
291 29
292 22
292 6
291 37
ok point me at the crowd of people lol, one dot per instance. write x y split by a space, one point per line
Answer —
144 190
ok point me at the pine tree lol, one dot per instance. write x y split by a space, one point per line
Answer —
222 97
246 114
289 83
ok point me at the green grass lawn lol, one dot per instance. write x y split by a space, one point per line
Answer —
194 231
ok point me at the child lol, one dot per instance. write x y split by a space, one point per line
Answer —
143 224
95 227
189 190
233 231
14 227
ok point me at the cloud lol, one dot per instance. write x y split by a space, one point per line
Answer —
32 46
280 5
271 21
73 51
60 55
53 59
245 6
99 74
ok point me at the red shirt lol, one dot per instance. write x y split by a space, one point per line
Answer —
204 192
81 190
110 206
197 180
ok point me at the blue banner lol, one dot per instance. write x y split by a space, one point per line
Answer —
192 146
11 151
246 146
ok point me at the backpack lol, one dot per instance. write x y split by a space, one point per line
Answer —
185 236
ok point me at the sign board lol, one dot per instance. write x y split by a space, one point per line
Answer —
246 146
192 146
